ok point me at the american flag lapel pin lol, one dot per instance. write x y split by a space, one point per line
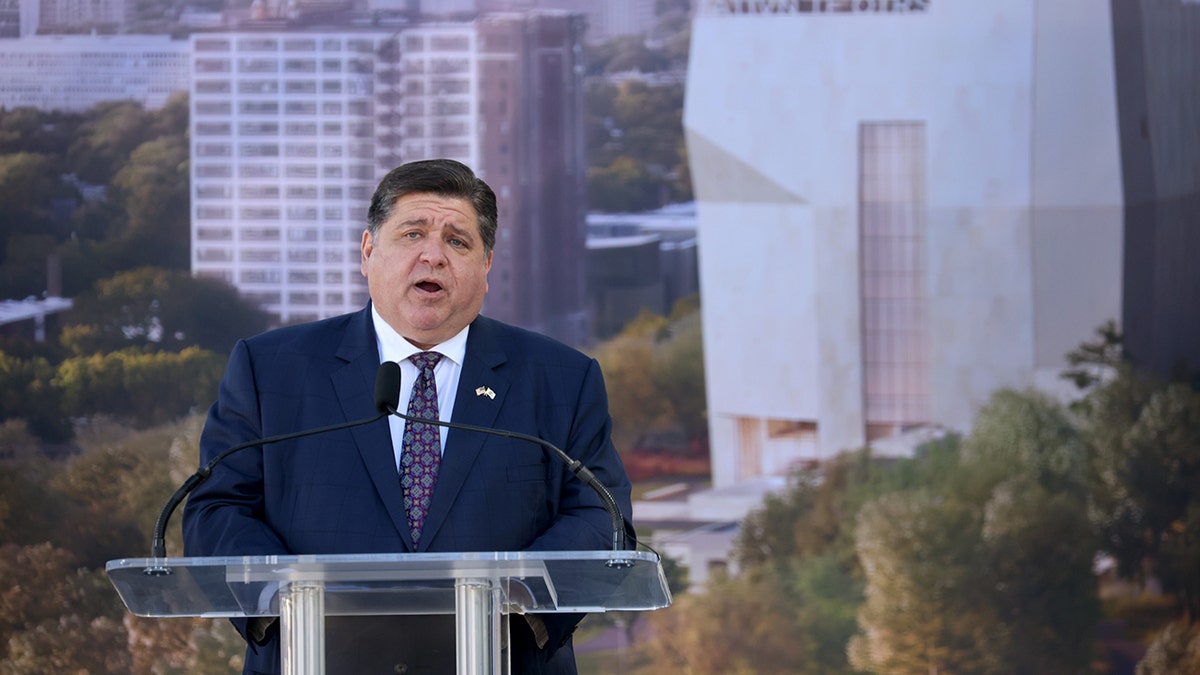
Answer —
485 391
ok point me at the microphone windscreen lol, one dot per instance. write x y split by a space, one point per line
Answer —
387 387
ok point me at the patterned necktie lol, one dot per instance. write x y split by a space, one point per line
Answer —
421 450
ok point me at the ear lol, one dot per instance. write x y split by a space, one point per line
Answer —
366 246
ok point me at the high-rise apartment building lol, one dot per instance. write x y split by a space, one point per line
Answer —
10 19
75 72
605 20
291 131
72 15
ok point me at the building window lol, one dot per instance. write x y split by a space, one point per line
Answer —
449 43
895 303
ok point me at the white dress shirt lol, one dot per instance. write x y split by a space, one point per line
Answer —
393 347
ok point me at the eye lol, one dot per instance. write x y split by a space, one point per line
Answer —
411 234
457 243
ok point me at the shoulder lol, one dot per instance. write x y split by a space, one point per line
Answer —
490 334
306 335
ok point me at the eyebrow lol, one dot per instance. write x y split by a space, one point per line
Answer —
424 222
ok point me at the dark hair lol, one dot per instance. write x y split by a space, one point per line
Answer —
442 177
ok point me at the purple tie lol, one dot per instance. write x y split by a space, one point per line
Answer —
421 450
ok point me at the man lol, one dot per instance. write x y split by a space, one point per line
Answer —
426 254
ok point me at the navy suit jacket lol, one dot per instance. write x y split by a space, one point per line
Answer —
339 492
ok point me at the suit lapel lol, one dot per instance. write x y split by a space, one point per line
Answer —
483 357
355 386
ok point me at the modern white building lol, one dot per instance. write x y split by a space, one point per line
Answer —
903 206
75 72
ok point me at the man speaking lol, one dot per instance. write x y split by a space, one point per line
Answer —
402 487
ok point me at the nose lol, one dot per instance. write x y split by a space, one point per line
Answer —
433 251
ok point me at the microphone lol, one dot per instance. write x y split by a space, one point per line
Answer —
391 369
387 397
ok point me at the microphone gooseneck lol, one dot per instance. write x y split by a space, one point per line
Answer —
387 396
577 467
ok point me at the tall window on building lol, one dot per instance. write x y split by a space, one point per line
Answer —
895 303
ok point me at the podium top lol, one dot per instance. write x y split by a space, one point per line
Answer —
400 583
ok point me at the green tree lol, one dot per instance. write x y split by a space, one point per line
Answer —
152 189
793 604
634 135
106 139
990 569
28 129
33 206
1146 456
28 392
625 185
154 308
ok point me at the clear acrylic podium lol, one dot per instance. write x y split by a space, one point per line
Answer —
479 589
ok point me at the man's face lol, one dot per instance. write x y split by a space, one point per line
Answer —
426 268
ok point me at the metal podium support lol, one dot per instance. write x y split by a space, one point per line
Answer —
302 628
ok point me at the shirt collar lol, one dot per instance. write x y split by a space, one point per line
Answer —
394 347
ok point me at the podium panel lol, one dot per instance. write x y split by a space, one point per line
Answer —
479 589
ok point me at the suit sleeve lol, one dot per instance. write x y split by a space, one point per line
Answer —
224 515
582 521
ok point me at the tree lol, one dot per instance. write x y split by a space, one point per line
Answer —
922 612
160 309
678 372
734 627
28 129
152 189
106 139
655 367
28 392
990 569
634 135
53 615
635 406
32 220
1145 443
1176 649
625 185
145 388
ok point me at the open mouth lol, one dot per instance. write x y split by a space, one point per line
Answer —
429 286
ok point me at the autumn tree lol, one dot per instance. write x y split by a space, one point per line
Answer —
145 388
61 520
795 597
654 370
1176 649
56 617
734 627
